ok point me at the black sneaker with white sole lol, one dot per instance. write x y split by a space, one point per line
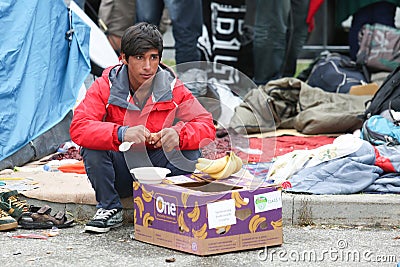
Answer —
104 220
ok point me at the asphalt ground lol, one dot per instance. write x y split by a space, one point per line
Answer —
303 246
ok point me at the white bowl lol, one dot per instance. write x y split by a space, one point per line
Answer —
150 175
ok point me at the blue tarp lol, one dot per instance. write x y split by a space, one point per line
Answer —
41 71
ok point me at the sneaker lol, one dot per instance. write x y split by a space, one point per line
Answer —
10 203
6 221
104 220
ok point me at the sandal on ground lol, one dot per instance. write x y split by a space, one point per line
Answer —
40 218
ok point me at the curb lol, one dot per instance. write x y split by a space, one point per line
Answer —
345 210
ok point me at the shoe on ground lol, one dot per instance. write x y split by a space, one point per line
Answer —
104 220
10 203
6 221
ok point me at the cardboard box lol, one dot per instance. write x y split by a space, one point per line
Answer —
197 215
366 89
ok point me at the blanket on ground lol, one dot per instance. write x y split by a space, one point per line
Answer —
253 149
348 165
345 175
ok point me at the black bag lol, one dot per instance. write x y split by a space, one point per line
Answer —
387 97
336 73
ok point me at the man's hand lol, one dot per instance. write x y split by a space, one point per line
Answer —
167 138
137 134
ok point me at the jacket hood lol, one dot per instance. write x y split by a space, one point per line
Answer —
162 85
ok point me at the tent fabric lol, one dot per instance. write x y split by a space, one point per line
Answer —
41 71
44 145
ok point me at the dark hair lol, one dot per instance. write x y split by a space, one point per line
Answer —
140 38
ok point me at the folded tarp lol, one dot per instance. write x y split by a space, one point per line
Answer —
44 60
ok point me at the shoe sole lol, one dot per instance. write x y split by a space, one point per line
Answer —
43 225
8 226
99 229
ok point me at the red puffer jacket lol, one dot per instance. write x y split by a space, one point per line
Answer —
109 105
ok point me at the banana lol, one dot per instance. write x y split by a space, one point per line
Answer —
251 222
195 213
134 217
220 168
255 222
136 185
201 233
239 162
140 205
184 198
205 161
239 201
181 222
211 166
234 197
222 230
258 222
147 219
204 236
227 171
276 224
147 196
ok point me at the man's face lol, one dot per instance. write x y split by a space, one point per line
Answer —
142 67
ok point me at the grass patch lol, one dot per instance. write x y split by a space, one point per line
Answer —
301 65
169 62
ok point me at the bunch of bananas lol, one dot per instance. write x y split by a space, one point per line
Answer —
184 198
147 219
222 230
255 222
239 201
139 202
181 223
277 224
195 213
147 195
220 168
201 233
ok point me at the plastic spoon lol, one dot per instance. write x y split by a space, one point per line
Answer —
125 146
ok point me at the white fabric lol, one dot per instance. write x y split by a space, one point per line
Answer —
286 165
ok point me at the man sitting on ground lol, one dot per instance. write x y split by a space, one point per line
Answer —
143 102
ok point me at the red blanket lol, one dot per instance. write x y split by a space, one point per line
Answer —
270 146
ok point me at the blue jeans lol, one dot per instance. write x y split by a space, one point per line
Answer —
280 31
187 21
108 171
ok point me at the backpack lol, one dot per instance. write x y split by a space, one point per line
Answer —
379 47
380 131
387 97
336 73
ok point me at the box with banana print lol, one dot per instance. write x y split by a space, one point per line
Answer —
191 214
